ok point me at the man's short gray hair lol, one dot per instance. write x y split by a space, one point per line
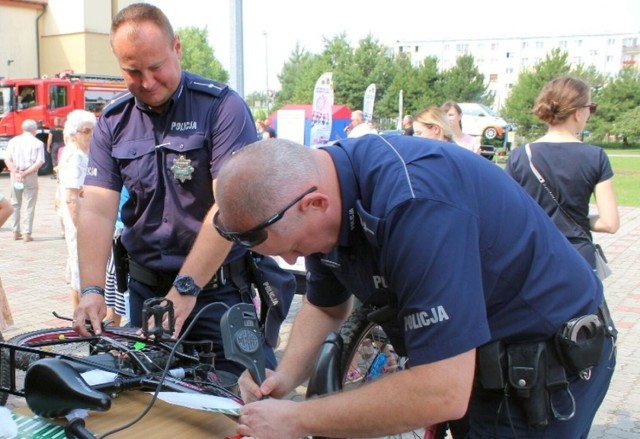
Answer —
29 125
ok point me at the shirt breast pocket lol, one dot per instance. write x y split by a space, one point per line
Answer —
191 147
138 163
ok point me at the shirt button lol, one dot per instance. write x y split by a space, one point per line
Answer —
165 220
182 146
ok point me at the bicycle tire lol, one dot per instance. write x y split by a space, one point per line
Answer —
4 375
355 332
67 341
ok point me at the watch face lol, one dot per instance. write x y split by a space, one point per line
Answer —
185 285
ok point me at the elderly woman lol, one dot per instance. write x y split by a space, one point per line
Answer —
72 168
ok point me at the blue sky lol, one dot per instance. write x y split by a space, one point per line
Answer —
289 21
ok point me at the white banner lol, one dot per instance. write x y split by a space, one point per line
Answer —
291 125
369 101
322 110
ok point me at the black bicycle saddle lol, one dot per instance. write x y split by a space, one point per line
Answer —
53 389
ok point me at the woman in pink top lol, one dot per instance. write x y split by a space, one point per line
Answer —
454 112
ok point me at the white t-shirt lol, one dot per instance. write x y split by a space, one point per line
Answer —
361 130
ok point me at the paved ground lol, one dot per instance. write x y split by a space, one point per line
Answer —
33 277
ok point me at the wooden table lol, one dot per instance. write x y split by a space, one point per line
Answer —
163 420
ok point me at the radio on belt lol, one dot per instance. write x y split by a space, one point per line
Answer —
242 339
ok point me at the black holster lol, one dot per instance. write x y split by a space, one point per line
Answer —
121 264
579 344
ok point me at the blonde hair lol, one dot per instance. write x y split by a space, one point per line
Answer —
436 116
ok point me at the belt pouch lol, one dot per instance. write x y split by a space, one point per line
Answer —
527 376
579 343
492 363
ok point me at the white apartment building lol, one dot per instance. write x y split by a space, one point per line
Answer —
501 60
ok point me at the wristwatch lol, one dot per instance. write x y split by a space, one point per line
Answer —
186 286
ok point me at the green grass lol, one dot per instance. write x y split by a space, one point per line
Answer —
626 179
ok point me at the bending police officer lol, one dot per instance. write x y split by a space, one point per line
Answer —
472 264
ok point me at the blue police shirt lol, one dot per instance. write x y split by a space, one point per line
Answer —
167 162
453 242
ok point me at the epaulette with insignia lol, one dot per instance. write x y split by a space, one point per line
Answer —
209 86
117 102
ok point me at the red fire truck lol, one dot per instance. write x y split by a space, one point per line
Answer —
44 99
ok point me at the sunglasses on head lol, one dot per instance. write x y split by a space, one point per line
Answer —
592 107
258 234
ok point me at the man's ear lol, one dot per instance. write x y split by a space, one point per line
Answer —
315 200
177 45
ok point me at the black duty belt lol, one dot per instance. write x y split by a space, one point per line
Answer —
163 280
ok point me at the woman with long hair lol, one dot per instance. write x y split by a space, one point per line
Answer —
454 113
432 123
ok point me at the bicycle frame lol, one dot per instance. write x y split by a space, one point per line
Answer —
140 376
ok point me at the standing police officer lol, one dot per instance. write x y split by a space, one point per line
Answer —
482 281
165 141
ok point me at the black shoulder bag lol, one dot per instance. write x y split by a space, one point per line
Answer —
602 268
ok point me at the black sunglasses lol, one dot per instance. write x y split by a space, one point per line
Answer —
592 107
258 234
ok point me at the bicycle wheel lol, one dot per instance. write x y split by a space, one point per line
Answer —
108 351
4 375
51 340
368 355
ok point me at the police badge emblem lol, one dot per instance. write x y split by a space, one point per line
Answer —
182 169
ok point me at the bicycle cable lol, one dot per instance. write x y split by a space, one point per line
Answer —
164 373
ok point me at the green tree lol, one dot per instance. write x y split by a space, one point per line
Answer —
401 74
256 100
197 56
338 55
518 106
424 87
628 125
371 62
463 82
367 64
616 100
298 77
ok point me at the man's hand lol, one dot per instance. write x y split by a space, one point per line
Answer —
270 419
182 307
275 385
92 308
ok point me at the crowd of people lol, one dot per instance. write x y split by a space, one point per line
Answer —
460 249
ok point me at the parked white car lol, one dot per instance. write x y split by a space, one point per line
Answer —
480 120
